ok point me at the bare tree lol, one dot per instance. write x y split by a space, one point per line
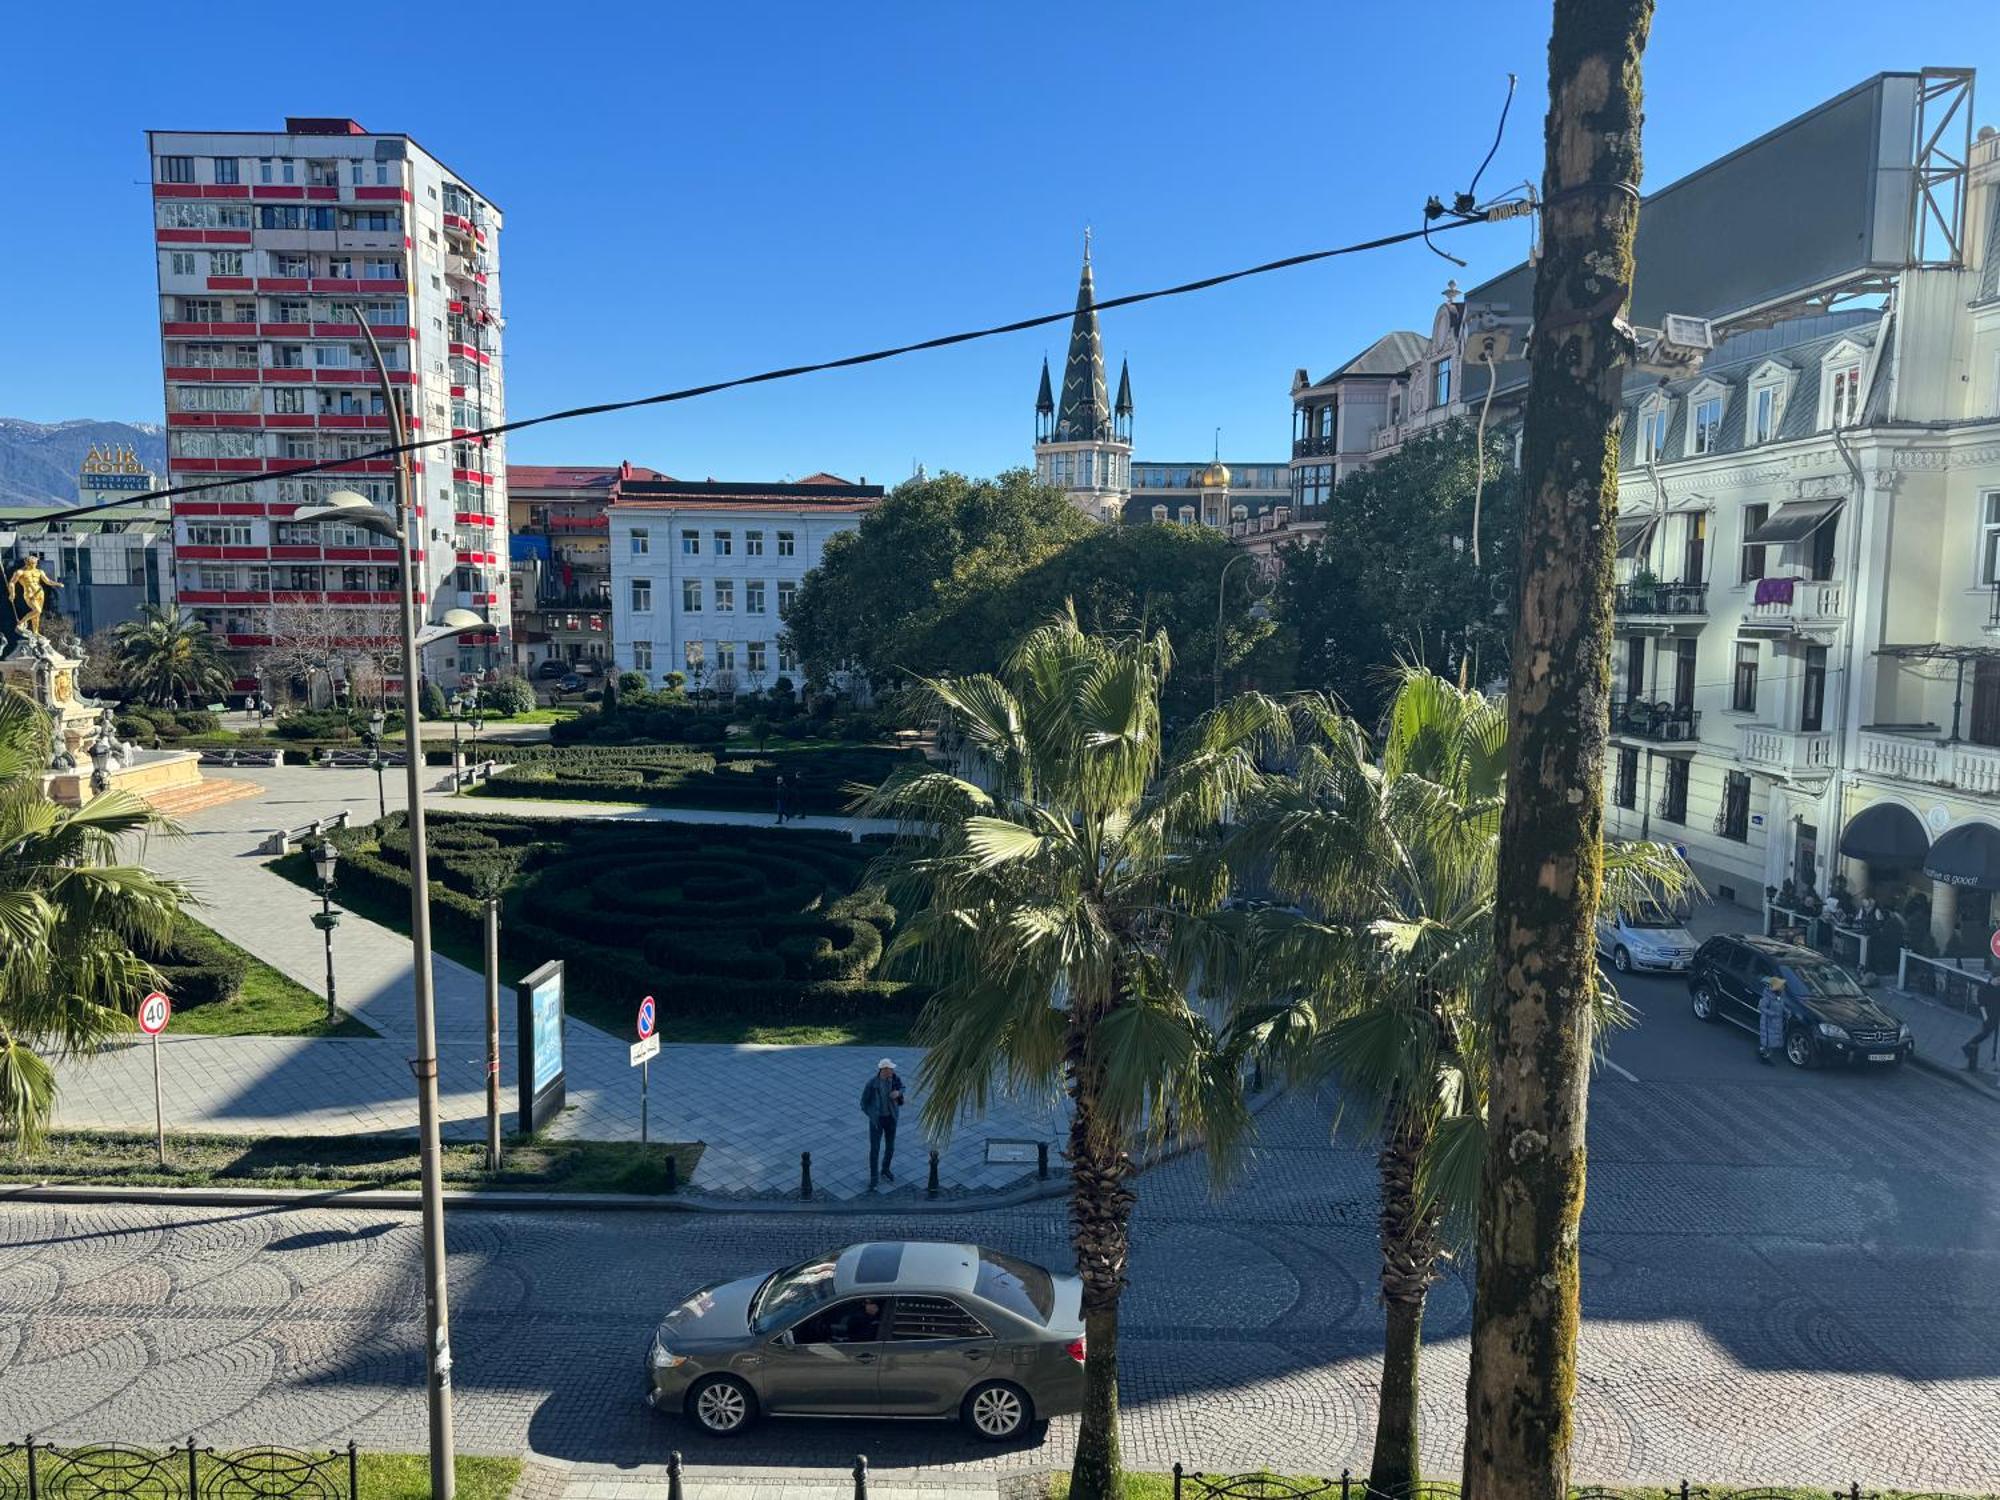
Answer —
1523 1384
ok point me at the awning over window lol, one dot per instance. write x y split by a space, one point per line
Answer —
1795 520
1632 534
1968 855
1886 834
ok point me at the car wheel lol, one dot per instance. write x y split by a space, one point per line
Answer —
1798 1048
722 1406
1621 960
1704 1001
996 1411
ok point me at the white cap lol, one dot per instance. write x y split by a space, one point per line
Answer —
885 1063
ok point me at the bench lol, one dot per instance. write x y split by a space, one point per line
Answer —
264 758
291 840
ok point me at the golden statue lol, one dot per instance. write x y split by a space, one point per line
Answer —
26 590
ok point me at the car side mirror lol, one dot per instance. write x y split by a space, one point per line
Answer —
784 1339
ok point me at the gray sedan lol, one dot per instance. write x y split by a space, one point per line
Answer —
895 1329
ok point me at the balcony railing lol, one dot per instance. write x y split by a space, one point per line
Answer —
1637 718
1808 601
1787 752
1932 762
1314 447
1660 599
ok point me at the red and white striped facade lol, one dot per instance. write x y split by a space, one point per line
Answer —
266 244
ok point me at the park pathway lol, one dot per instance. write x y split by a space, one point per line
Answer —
754 1107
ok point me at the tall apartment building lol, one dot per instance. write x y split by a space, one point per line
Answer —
272 247
560 559
703 573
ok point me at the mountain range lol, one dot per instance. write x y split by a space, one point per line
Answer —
39 460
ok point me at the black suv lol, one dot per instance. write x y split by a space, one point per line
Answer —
1828 1017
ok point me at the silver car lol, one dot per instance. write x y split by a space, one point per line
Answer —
894 1329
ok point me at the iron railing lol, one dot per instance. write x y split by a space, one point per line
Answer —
1640 719
33 1470
1314 447
1660 599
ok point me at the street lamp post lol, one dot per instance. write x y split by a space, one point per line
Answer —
345 506
325 857
1220 582
457 755
378 722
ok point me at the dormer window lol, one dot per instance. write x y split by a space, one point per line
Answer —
1159 513
1766 406
1844 400
1653 422
1705 425
1187 515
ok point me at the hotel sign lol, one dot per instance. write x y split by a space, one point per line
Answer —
113 473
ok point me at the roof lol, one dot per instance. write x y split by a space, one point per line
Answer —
919 1264
574 476
1391 354
821 492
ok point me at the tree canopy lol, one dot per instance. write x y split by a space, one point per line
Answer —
1392 580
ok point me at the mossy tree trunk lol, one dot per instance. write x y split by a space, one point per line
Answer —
1523 1380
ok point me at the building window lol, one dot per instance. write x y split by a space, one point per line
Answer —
1674 800
787 544
642 541
1743 692
1846 401
691 596
1989 538
1159 513
1734 820
1752 567
1441 383
642 595
177 169
1653 434
1707 424
753 658
693 655
725 596
787 663
1187 515
642 656
1625 789
181 263
1812 694
723 544
787 592
690 544
1766 407
288 401
753 544
226 169
753 596
225 262
725 657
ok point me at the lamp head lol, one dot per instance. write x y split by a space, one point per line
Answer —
377 722
325 857
345 507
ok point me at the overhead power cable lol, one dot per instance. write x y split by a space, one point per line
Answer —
789 372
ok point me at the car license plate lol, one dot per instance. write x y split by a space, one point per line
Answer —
1881 1057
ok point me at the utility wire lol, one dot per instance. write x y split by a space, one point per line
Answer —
790 372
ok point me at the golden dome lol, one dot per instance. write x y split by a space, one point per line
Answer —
1215 476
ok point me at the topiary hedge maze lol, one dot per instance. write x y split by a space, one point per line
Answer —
763 926
818 781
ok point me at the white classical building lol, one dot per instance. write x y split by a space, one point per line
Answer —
703 573
1807 675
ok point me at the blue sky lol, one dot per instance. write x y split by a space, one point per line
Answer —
693 192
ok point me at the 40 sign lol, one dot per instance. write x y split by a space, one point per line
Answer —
154 1013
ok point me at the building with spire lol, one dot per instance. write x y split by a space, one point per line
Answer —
1083 446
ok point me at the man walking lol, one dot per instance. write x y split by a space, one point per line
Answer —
781 796
1989 1013
1771 1019
882 1101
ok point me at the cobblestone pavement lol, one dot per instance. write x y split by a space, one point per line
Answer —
1789 1279
719 1095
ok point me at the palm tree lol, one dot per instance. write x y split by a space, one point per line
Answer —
69 916
1381 972
166 657
1062 916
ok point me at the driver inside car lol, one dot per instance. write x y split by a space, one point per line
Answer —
864 1325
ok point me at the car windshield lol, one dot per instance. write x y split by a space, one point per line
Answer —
1022 1289
790 1293
1652 914
1825 981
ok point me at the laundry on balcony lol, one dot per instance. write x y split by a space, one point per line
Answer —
1775 590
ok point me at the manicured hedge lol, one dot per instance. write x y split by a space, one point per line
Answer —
764 925
818 781
196 967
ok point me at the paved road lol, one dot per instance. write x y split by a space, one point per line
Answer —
1789 1277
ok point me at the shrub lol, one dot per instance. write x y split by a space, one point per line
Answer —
510 695
196 967
818 781
430 701
630 684
197 721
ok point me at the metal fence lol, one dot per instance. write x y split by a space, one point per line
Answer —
1190 1485
45 1471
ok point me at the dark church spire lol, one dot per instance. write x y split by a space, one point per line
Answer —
1085 413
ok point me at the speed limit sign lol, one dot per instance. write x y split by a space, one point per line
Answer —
153 1013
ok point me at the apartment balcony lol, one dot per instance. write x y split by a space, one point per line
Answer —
1796 607
1314 447
1660 608
1661 723
1790 755
1929 761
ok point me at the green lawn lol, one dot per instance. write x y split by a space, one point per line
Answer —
379 1476
126 1158
269 1004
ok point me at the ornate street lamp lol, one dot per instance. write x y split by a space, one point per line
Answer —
378 722
324 858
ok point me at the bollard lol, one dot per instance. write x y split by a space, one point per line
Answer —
931 1188
674 1475
673 1172
860 1476
1177 1480
805 1174
1042 1159
1346 1478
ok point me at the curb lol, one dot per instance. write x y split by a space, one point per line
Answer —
1965 1080
502 1201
